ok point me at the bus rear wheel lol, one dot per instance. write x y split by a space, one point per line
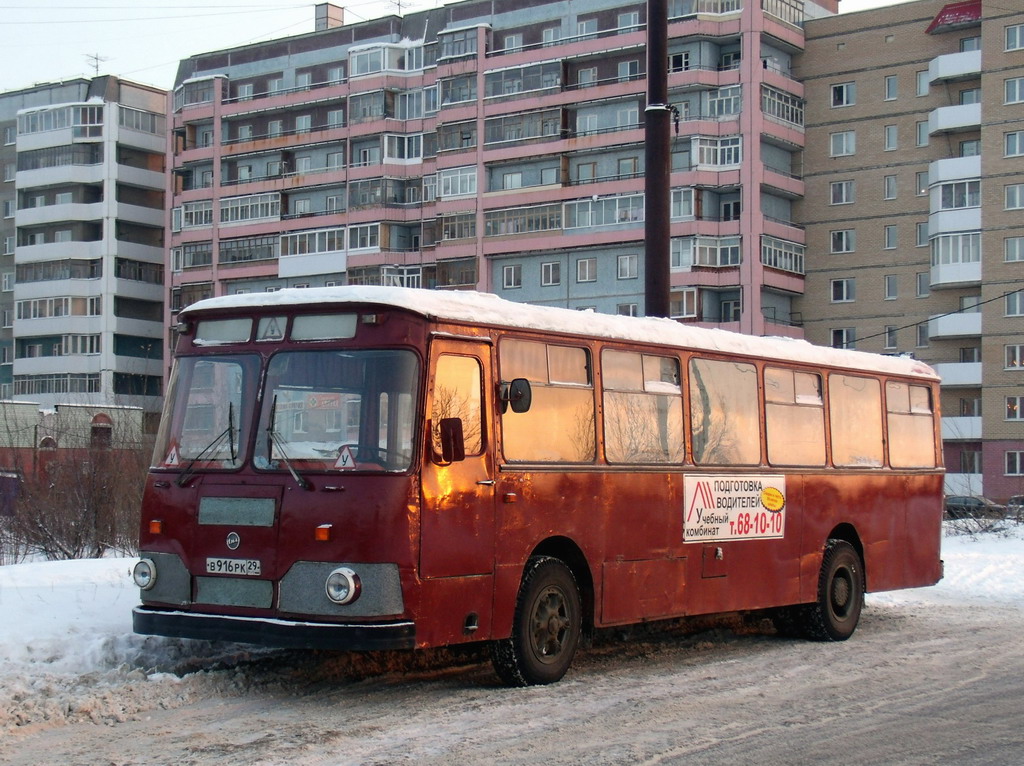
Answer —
546 627
834 616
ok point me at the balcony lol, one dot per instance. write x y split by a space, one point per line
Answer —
955 66
954 220
310 264
964 484
959 373
961 429
955 275
954 119
958 325
954 169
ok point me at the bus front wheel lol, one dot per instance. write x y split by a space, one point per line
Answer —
834 616
546 627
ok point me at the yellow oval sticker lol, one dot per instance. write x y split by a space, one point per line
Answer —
772 499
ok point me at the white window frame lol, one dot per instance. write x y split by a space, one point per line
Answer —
843 94
1014 37
842 192
551 273
512 276
1013 90
843 241
586 270
627 266
1013 196
842 144
843 290
1013 249
891 87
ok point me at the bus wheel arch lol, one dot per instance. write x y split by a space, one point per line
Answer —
570 554
548 623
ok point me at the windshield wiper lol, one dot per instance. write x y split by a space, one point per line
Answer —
228 433
274 440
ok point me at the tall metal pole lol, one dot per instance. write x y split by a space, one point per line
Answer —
657 165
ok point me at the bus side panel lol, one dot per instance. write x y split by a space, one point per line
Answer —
922 553
453 610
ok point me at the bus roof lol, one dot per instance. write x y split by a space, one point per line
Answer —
488 309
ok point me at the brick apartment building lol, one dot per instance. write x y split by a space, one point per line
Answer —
914 211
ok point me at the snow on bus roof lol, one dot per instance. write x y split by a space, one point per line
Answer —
488 309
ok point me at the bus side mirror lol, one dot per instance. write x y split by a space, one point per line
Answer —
453 444
516 394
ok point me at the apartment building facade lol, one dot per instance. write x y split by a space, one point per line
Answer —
499 147
83 233
914 211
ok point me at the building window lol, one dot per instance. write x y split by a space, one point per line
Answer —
921 231
551 35
1015 37
629 70
458 182
841 193
891 87
842 144
889 187
551 274
303 123
1013 249
922 82
683 303
921 179
844 94
512 276
891 336
891 287
922 335
891 137
1015 304
679 62
1014 356
923 286
922 133
956 248
970 148
844 337
626 309
959 194
843 290
1015 408
843 241
889 237
1014 90
1014 143
1014 463
586 270
627 267
1014 196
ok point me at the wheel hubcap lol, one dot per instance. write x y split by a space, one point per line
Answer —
841 591
550 624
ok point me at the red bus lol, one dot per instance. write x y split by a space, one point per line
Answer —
379 468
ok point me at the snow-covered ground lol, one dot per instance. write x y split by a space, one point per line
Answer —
68 654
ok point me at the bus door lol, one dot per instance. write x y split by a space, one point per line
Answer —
457 516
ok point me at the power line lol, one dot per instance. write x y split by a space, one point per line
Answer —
940 316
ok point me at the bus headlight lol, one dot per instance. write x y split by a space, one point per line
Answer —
343 586
144 574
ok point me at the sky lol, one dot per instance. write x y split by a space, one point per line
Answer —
143 40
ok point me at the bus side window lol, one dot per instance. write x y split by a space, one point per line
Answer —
457 395
794 417
724 413
855 416
643 408
559 426
911 428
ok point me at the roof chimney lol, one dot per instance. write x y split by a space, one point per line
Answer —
328 16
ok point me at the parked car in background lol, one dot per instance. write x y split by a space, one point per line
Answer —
1015 507
973 507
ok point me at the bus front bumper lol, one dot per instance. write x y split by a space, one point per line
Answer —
269 631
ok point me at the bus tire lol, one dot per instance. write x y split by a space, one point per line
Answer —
546 627
834 616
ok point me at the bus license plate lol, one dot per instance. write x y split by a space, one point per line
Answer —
250 567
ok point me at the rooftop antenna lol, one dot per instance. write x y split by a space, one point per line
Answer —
96 59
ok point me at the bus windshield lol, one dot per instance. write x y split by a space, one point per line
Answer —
338 410
206 422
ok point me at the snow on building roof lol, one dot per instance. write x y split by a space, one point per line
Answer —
488 309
